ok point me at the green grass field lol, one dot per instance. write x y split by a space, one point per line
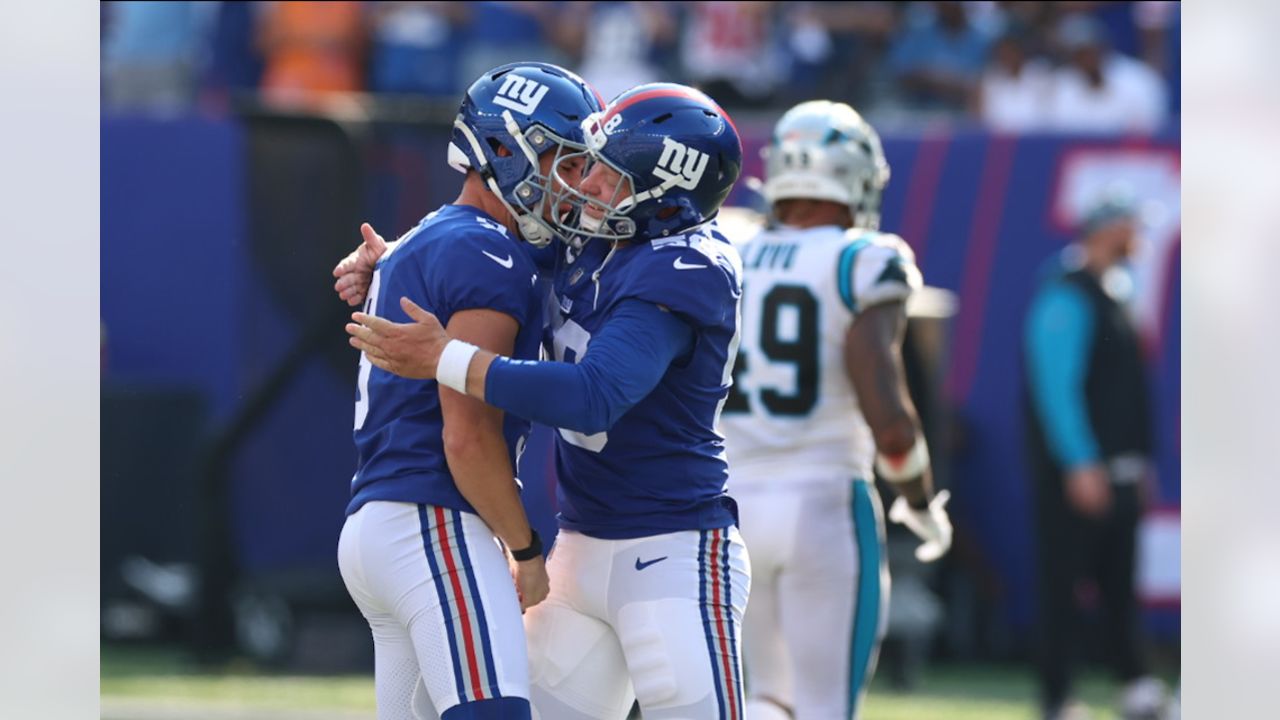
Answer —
163 685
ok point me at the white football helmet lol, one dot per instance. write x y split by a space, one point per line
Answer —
823 150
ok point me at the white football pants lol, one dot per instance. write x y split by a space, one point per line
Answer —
656 619
819 601
438 594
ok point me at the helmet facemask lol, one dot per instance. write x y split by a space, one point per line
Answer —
536 196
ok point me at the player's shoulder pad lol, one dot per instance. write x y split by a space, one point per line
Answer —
485 248
874 268
697 275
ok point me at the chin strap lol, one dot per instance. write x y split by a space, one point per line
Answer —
533 231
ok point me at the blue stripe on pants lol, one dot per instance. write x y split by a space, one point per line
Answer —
707 620
478 602
445 606
866 617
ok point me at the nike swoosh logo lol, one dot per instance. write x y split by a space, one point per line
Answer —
506 262
680 265
643 565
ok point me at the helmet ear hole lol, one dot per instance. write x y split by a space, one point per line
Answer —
498 148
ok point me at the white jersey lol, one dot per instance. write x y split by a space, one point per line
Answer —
792 415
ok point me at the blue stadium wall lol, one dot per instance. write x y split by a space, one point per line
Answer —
191 299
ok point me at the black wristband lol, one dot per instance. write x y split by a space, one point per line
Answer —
533 551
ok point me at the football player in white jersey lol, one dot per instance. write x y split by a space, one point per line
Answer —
819 400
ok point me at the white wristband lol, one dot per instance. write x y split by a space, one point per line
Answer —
907 466
455 360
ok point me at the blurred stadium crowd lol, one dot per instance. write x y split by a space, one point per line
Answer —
1012 66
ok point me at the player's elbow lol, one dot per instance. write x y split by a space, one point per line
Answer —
591 423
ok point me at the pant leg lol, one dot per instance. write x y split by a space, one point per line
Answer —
577 670
1057 546
768 528
441 576
398 685
1116 564
676 602
834 593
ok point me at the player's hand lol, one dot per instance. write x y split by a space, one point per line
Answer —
410 350
355 271
532 583
1089 490
931 524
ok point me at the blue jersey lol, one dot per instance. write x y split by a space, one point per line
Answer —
661 466
458 258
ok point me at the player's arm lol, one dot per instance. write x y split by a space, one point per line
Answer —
1058 339
623 363
478 456
873 361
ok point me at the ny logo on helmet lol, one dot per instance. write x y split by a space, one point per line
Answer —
520 94
680 165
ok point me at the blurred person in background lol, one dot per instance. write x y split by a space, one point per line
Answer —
416 46
819 399
620 43
506 32
312 51
730 51
938 57
1090 446
837 49
434 489
1099 90
1014 90
235 64
151 53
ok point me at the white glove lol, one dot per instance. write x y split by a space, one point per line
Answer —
930 525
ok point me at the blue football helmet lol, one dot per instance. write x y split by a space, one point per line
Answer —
511 116
678 155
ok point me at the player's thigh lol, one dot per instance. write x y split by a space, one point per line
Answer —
576 667
680 621
471 609
398 686
833 600
397 677
440 573
768 529
766 659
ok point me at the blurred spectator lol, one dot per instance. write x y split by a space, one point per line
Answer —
837 49
1014 90
1160 24
938 57
619 42
416 46
311 50
1098 90
150 53
1090 430
729 51
235 65
506 32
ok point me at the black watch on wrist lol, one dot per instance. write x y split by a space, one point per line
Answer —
533 551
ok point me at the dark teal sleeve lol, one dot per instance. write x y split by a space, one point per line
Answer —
1059 338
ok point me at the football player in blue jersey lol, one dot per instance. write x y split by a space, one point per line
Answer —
651 576
434 484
